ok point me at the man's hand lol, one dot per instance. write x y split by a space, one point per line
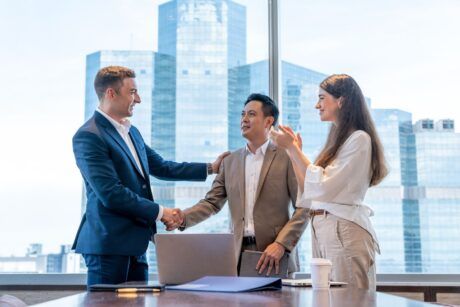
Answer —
271 257
172 218
216 164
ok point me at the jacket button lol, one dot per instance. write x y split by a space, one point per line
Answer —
144 186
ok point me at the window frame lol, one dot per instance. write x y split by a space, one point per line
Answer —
48 280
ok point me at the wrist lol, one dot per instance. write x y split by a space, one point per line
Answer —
281 246
291 148
209 169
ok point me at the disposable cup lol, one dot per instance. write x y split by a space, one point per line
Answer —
320 273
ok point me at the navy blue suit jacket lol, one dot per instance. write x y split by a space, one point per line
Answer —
120 211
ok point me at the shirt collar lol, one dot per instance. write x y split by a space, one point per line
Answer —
124 126
262 149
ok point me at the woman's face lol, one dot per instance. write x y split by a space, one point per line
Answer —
328 106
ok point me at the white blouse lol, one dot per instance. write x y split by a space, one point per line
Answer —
340 188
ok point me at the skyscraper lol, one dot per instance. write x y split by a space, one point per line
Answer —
299 94
202 39
193 91
142 63
394 129
438 193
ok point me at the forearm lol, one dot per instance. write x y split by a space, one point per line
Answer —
199 212
294 228
300 164
125 202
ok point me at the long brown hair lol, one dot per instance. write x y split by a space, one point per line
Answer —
353 115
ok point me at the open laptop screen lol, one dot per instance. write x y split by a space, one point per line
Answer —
185 257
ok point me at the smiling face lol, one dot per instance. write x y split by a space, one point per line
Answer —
126 98
119 102
328 106
254 124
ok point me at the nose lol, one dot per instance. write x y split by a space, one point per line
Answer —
318 105
137 98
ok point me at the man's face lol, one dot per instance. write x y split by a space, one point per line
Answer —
254 124
124 100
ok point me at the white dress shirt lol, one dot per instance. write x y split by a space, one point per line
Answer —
123 130
253 166
340 188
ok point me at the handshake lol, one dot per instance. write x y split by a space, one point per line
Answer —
173 218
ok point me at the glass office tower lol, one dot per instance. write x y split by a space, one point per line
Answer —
142 63
202 39
392 211
438 193
198 41
299 94
193 92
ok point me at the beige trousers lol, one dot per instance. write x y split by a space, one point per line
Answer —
349 247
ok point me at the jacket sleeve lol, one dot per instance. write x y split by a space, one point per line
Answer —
168 170
95 164
292 231
212 203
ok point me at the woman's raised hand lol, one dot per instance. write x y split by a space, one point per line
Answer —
286 137
297 137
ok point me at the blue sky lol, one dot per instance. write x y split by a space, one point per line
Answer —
403 54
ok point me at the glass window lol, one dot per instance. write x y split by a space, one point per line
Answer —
196 62
396 52
228 39
174 47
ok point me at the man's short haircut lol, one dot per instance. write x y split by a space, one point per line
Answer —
268 105
111 76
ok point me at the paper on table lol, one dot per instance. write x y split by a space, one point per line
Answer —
230 284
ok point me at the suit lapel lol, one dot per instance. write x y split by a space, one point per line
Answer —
268 159
110 129
140 153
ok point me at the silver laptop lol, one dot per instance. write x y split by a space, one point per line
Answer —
185 257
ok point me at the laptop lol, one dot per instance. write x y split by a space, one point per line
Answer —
182 258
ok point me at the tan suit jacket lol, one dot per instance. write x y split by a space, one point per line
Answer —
277 188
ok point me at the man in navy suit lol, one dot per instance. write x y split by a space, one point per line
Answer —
115 163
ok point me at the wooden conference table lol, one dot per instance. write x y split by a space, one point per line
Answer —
288 296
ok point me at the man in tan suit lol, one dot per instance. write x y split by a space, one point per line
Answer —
259 183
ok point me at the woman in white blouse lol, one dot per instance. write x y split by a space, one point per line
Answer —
334 186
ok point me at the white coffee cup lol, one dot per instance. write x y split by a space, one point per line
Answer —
320 272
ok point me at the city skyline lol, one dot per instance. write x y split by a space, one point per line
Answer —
184 121
68 116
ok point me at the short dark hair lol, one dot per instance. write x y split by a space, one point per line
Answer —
111 76
268 105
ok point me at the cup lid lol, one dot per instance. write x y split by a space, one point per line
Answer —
320 261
